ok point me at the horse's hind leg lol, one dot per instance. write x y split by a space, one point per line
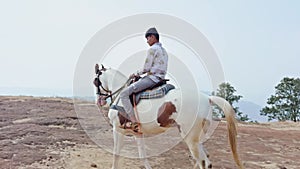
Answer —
196 148
199 155
118 144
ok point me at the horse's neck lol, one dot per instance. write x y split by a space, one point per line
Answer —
114 79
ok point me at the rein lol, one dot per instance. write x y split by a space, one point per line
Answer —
113 93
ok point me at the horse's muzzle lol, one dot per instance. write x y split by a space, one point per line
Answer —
101 101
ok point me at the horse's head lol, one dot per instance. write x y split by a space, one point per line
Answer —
107 82
99 82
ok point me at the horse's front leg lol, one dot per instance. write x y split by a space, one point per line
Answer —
118 144
142 151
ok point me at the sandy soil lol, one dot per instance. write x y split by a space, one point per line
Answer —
45 133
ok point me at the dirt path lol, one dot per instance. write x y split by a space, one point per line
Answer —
45 133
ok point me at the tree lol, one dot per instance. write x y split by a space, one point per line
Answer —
227 92
285 104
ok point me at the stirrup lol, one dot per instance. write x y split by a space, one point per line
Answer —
132 128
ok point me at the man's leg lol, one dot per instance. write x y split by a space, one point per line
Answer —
136 87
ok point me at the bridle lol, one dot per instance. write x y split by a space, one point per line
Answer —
109 94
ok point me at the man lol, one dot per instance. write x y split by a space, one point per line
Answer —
155 67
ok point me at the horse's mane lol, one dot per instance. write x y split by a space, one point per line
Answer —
113 78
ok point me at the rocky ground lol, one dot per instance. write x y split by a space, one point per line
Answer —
46 133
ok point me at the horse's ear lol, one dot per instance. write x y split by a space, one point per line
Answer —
96 68
103 68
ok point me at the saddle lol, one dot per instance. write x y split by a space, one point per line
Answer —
138 95
157 91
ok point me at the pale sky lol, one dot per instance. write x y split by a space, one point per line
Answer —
256 41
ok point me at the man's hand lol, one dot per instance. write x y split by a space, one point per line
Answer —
132 76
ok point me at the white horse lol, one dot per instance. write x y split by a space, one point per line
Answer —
112 82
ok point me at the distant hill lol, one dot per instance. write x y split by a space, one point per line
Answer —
252 110
249 108
39 92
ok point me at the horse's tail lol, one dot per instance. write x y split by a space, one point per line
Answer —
231 125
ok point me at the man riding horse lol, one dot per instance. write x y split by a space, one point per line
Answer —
196 106
155 68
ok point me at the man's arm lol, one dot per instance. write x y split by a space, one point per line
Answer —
149 60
